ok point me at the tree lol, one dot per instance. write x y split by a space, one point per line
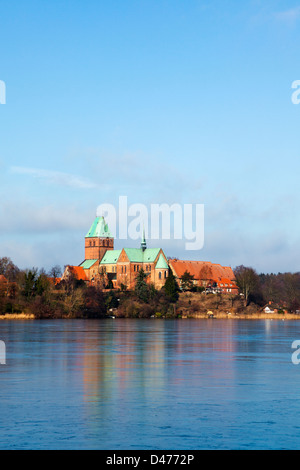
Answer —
141 287
42 284
55 272
247 280
94 303
111 300
272 287
8 269
29 282
205 275
109 285
292 290
187 281
171 287
73 302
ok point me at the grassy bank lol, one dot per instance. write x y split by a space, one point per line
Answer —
17 316
245 316
89 303
196 305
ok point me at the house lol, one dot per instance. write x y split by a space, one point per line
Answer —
213 277
268 309
272 307
76 272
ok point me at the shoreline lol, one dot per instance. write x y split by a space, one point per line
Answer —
17 316
244 316
194 316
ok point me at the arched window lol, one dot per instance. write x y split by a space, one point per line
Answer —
159 275
166 274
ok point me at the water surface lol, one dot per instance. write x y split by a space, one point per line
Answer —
149 384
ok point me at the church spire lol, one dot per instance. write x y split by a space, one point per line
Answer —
143 243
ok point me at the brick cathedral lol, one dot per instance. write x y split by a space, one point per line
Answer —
103 265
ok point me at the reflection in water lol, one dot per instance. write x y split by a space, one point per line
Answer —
138 384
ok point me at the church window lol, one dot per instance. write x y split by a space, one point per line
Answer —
159 275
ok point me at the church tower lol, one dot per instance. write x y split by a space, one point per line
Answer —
98 240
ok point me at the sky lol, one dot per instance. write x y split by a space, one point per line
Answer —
161 101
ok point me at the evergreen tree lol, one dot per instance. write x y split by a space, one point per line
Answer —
141 287
29 282
171 287
187 281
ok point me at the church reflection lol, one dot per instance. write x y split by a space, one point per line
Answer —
127 362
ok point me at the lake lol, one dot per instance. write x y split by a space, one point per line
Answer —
119 384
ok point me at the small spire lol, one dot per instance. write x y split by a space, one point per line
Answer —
143 243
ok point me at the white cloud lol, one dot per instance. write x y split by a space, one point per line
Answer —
44 253
55 177
24 218
288 16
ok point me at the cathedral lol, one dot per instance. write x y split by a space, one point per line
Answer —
103 266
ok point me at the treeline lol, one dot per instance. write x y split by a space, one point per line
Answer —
36 291
282 290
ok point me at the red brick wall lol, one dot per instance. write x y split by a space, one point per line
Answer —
128 278
95 248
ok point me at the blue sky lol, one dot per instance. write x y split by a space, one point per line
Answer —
164 101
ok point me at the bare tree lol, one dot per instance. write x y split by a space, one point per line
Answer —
55 272
8 269
247 280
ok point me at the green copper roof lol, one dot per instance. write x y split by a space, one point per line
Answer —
138 255
99 228
88 263
111 257
161 263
